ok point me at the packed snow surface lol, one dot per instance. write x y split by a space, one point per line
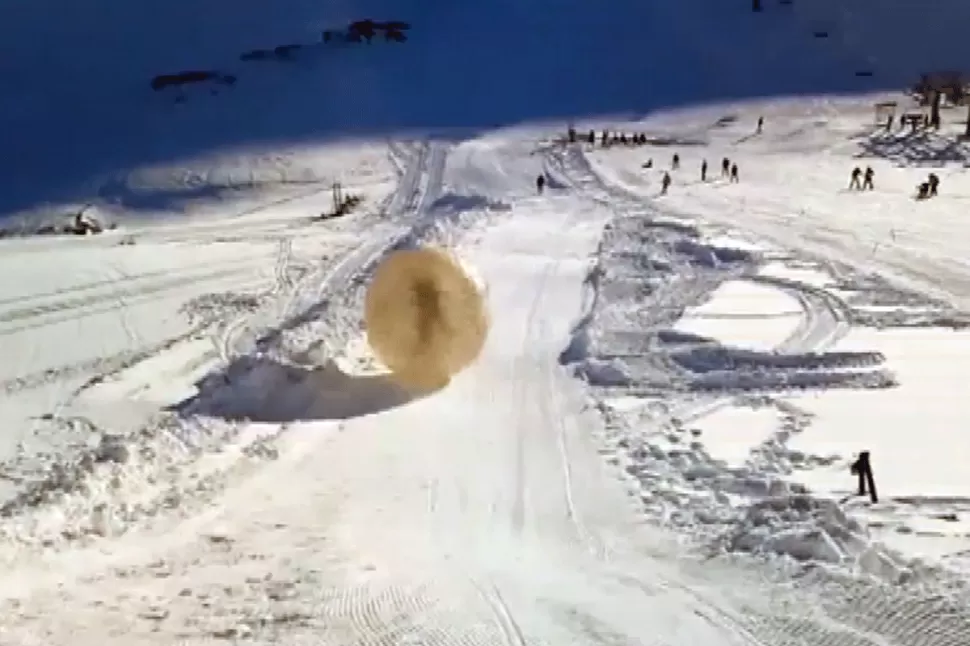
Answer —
653 448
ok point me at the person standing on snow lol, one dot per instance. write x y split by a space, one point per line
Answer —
867 178
725 167
540 183
676 162
854 182
704 171
734 174
665 183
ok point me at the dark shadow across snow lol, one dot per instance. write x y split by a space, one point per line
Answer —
78 108
261 389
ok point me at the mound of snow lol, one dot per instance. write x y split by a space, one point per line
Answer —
807 528
580 341
600 372
712 256
457 202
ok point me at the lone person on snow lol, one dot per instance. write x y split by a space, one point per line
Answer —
665 183
704 171
540 183
676 162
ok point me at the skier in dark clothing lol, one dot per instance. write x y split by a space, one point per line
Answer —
934 184
540 183
867 178
725 167
734 174
704 171
665 183
761 123
676 162
854 182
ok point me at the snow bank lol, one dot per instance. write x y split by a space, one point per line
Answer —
579 338
810 529
890 327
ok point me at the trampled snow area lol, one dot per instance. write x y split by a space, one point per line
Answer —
653 448
880 283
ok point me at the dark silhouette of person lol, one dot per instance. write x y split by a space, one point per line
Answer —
854 182
665 183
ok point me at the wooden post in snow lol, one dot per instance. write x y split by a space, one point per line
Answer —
862 468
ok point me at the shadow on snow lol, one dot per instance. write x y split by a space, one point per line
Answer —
73 116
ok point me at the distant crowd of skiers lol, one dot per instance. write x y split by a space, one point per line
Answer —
636 139
859 179
929 188
728 170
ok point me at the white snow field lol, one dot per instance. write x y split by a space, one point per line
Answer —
654 446
882 281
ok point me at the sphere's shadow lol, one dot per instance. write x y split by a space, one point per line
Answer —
264 389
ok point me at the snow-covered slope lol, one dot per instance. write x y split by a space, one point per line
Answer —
653 447
79 115
483 514
881 280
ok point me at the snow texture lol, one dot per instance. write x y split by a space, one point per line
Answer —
654 447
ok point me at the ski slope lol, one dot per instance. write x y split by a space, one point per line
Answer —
653 447
890 275
299 495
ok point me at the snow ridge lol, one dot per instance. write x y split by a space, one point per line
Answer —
650 381
664 267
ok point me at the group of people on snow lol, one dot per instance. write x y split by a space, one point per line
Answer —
867 177
929 188
608 138
728 170
860 179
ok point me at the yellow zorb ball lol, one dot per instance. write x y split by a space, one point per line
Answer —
426 317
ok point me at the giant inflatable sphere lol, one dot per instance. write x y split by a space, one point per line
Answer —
426 317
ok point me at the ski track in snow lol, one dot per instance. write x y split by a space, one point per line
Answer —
292 301
503 507
198 446
414 525
659 475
